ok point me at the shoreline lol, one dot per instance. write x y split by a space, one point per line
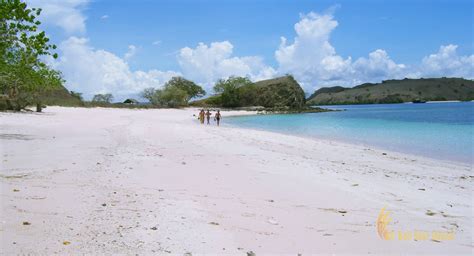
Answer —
355 144
156 181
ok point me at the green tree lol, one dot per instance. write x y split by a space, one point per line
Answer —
193 90
103 98
41 81
172 97
149 94
23 76
229 89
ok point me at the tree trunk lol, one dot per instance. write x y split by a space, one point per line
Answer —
9 105
39 108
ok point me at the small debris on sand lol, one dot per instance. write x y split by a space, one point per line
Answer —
26 223
66 243
214 223
272 221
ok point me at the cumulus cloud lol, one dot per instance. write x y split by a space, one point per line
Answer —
66 14
93 71
314 62
208 63
104 17
309 56
446 62
378 66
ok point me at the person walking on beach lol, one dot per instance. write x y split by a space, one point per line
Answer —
217 117
208 116
201 116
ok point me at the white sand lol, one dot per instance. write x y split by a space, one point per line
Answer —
166 181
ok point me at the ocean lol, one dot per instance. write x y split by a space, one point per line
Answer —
436 130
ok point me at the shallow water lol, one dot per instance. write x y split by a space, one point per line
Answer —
437 130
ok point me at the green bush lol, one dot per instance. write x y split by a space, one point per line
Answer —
103 98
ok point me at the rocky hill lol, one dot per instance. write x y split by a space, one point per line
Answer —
396 91
279 92
282 92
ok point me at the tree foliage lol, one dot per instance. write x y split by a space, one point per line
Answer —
103 98
172 97
230 90
192 90
149 94
23 74
177 92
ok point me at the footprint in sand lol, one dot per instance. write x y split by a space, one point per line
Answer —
272 221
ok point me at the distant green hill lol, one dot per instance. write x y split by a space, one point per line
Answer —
396 91
281 92
60 97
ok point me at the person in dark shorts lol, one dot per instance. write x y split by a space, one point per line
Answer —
218 117
208 116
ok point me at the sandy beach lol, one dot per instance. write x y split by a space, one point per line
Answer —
121 181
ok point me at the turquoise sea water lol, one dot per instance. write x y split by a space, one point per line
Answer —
436 130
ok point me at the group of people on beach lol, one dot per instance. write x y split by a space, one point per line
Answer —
207 115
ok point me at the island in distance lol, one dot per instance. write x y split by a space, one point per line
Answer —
396 91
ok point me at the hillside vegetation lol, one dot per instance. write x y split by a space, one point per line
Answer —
278 93
60 96
396 91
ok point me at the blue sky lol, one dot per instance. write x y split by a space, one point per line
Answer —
408 30
401 35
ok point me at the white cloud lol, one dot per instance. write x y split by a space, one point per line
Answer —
93 71
206 64
314 62
310 57
132 50
377 67
66 14
104 17
446 62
